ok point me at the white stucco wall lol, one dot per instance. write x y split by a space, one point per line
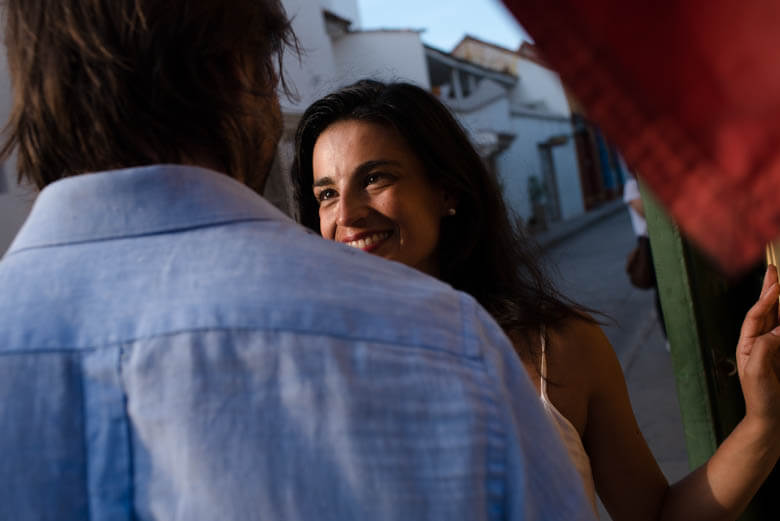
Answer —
537 83
487 55
493 117
344 8
327 65
310 76
522 160
568 176
484 124
383 55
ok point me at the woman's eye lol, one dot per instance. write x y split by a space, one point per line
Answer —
326 194
378 177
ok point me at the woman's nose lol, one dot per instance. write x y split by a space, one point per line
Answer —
352 210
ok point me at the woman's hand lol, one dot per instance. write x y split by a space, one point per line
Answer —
758 357
721 488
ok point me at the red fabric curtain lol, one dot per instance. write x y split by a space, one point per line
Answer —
690 92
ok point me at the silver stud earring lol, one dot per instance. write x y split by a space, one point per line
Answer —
451 211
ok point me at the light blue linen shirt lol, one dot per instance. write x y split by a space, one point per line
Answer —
173 347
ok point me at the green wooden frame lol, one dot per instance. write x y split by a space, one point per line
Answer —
703 311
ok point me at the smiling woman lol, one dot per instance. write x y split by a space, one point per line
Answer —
405 153
374 195
387 169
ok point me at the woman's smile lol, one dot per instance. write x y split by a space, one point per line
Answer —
368 241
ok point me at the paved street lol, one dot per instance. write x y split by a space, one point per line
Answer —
591 269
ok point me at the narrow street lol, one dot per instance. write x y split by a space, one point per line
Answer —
591 270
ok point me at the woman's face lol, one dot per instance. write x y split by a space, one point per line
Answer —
373 194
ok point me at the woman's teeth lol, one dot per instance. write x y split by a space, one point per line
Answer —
366 242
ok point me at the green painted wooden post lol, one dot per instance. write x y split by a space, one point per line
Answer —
677 301
703 311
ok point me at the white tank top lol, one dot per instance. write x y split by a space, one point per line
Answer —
571 438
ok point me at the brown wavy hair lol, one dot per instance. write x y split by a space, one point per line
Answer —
103 84
480 251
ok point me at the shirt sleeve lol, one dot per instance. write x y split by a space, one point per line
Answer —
631 191
540 480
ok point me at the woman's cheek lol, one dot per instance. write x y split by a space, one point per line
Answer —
326 230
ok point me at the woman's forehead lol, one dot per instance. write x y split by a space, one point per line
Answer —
345 145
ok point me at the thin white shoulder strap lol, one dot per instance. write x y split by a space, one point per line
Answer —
543 362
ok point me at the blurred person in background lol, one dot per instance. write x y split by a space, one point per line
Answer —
640 266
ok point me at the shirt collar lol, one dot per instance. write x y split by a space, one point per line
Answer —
138 201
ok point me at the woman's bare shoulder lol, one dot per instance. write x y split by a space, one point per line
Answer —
579 345
579 358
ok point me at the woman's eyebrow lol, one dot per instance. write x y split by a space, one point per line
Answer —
370 165
323 181
362 169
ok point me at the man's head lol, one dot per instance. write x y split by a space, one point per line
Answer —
103 84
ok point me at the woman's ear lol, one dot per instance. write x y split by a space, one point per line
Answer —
449 204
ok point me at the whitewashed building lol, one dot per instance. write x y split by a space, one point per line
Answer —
538 118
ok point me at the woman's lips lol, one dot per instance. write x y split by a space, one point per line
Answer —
370 241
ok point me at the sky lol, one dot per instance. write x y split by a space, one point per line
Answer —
445 21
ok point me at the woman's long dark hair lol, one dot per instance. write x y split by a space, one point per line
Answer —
480 251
